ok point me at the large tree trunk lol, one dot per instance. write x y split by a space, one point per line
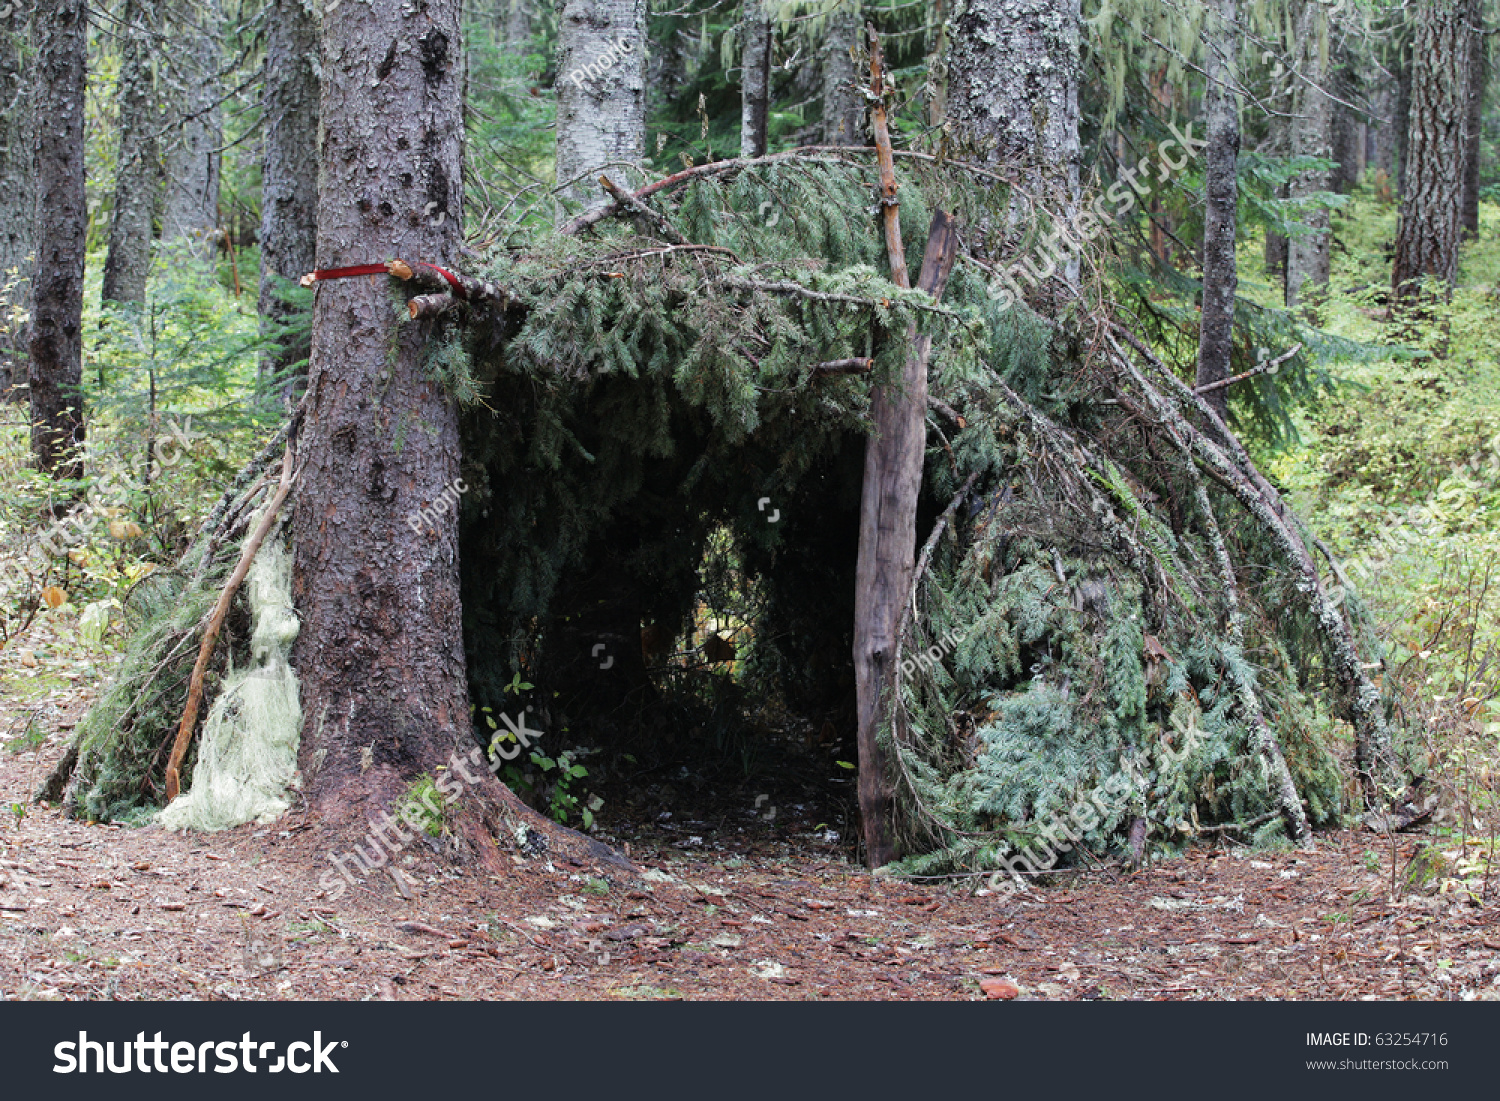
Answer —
1427 241
1220 222
755 77
1479 87
1013 74
1013 69
17 199
1312 136
56 370
193 158
380 654
843 109
519 18
289 169
137 169
601 92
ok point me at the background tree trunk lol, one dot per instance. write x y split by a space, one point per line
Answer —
601 111
755 78
1348 124
843 111
1013 70
56 369
1312 136
1427 241
193 157
380 654
1220 220
289 170
17 198
518 23
137 168
1386 108
1479 87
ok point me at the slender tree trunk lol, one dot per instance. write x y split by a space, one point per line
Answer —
56 370
601 92
519 17
193 158
1386 154
17 201
843 110
380 655
289 170
1220 221
755 77
137 169
1312 136
1431 208
1348 126
1479 87
1277 143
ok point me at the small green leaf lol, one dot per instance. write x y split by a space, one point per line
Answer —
578 771
843 764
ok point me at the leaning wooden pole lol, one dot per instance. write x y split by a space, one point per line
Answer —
888 504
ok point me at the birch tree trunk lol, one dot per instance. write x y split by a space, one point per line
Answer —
843 111
1427 240
1312 136
17 200
56 368
601 93
289 168
1220 220
137 167
755 77
193 156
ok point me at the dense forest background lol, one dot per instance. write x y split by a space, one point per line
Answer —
1202 516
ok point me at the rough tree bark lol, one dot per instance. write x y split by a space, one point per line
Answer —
755 77
17 197
193 157
289 168
1479 87
56 368
1427 241
601 93
1013 70
380 654
843 110
1220 222
137 167
1311 136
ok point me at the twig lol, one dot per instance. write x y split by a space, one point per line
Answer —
1262 369
211 635
844 366
635 206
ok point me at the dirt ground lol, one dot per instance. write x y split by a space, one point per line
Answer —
721 910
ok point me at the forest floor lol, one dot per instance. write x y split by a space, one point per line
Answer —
737 908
